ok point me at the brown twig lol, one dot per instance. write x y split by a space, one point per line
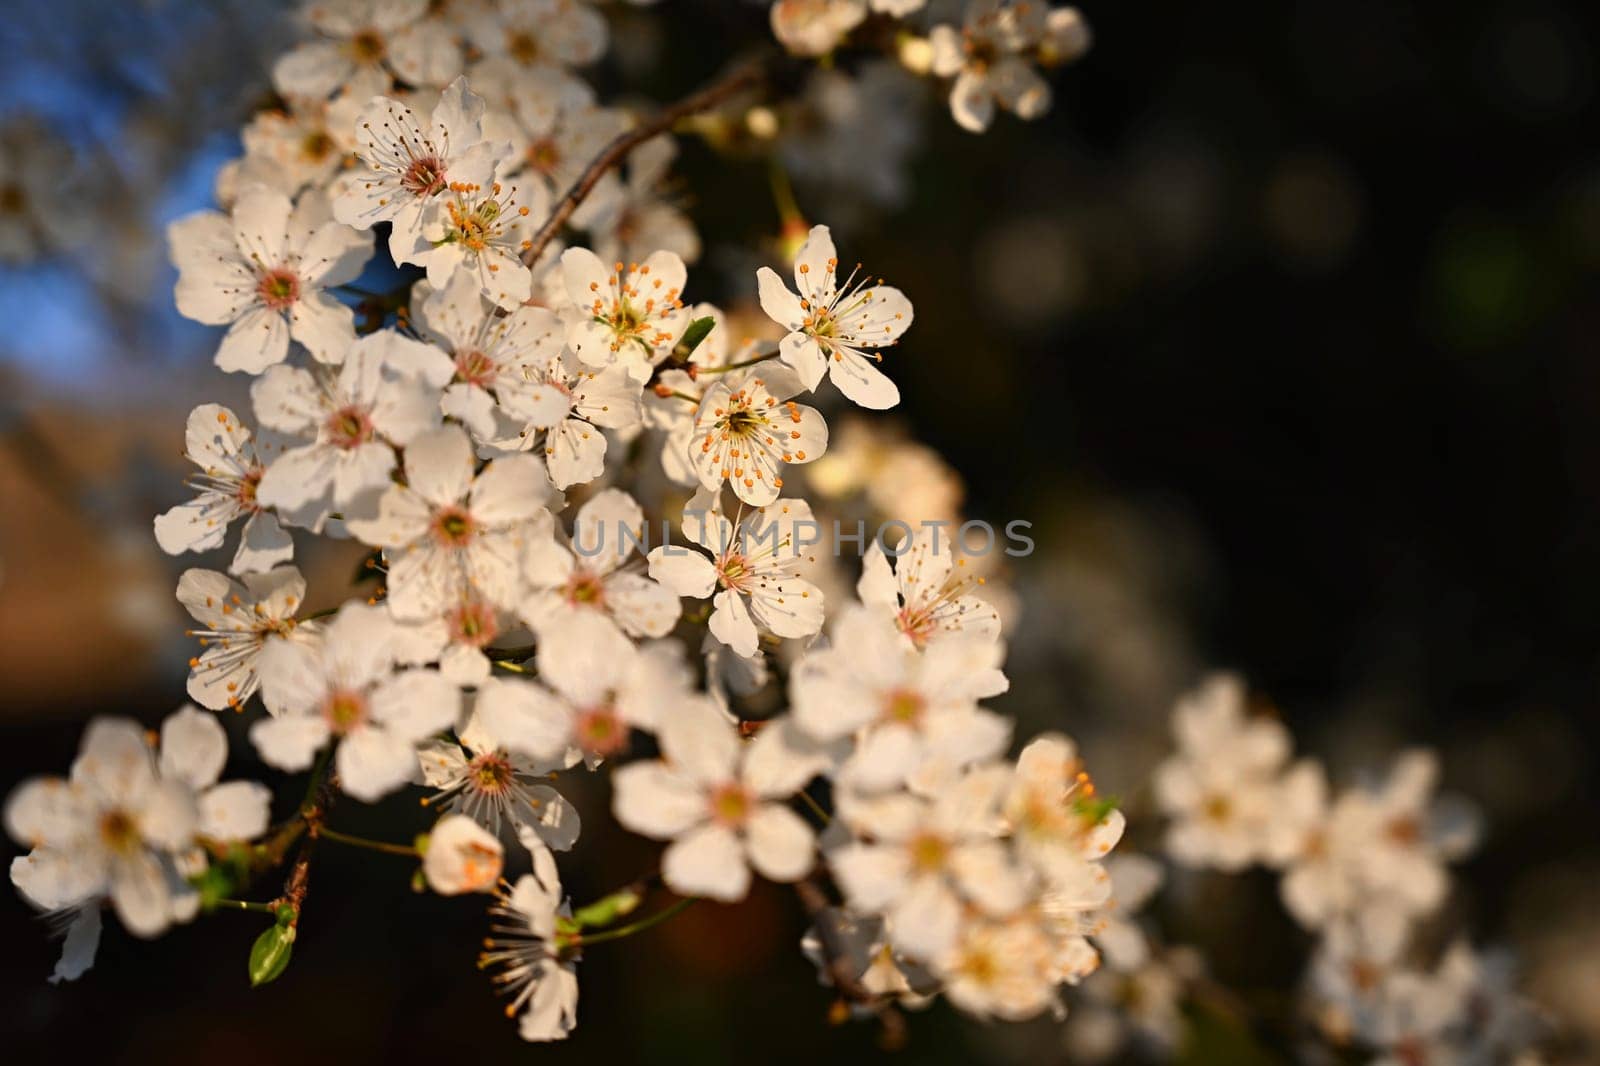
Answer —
739 79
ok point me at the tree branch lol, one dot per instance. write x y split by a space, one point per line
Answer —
739 79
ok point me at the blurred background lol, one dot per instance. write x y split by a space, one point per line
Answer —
1283 328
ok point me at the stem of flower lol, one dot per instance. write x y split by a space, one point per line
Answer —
635 927
371 845
244 905
736 366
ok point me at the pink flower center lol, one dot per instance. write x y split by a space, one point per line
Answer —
585 589
279 289
491 773
344 710
424 177
349 427
731 805
475 368
453 527
600 731
473 624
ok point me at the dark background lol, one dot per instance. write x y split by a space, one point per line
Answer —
1281 327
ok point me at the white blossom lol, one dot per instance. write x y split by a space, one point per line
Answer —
476 776
627 314
264 273
406 167
450 535
719 802
237 620
836 324
231 461
1220 787
461 856
754 572
584 599
915 715
384 395
344 688
368 39
745 430
531 966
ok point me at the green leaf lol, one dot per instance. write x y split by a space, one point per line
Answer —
698 331
269 956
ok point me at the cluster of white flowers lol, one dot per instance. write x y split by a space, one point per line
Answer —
1362 869
479 431
134 819
587 500
991 59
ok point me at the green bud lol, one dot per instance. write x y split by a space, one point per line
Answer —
269 956
698 330
606 910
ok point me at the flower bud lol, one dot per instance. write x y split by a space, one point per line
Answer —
461 856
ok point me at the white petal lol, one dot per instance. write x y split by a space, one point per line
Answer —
781 844
652 799
235 810
707 862
289 743
194 748
373 762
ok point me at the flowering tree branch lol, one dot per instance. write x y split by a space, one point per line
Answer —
729 85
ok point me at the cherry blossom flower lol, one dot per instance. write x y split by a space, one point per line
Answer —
478 777
532 968
989 59
671 405
563 411
461 857
264 274
344 688
406 167
718 801
368 39
1058 825
521 39
231 464
1412 834
834 323
1000 969
591 704
1220 787
630 314
919 861
815 27
448 534
384 395
109 830
500 359
583 598
120 824
746 428
915 714
457 637
305 143
754 571
928 588
237 621
482 230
